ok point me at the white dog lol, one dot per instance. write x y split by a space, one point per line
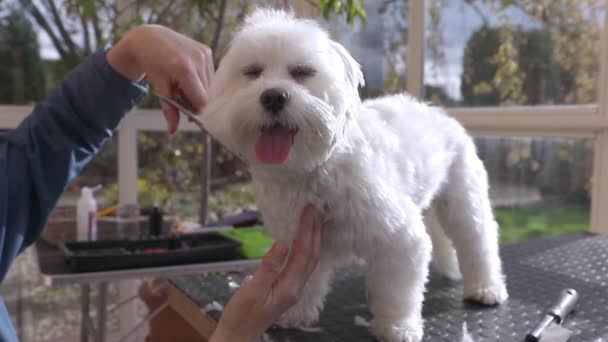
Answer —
285 99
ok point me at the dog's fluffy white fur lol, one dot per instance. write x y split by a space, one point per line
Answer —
375 168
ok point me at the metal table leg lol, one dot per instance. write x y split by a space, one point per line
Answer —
101 311
84 312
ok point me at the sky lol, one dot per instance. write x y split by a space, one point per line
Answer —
47 50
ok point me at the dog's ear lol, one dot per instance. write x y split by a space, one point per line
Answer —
353 79
352 69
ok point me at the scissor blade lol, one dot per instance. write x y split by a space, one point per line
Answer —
184 109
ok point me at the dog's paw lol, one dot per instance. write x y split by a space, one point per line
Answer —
401 331
299 316
493 294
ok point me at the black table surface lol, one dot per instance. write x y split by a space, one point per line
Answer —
536 271
55 270
50 260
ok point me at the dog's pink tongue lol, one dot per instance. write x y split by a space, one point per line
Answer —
274 144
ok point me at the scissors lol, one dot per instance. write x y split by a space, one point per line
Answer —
185 108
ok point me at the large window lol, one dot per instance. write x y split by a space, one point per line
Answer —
504 68
534 69
529 79
170 175
538 186
522 76
379 44
489 53
36 51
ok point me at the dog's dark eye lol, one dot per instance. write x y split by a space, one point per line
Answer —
253 71
299 72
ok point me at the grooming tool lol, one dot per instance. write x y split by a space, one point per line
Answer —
556 314
184 108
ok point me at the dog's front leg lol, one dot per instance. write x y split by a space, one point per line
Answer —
306 311
397 272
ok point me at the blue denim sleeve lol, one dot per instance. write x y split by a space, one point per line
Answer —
52 145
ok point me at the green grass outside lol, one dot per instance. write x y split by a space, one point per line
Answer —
517 224
525 223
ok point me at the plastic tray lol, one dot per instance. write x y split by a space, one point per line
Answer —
255 241
106 255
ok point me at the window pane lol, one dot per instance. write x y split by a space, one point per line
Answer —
379 45
31 65
34 57
22 71
169 172
539 187
486 53
169 175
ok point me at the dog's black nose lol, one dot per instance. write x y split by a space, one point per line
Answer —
274 99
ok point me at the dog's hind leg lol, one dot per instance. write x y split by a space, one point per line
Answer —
465 213
397 265
444 258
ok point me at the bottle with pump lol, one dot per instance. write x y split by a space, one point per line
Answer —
86 215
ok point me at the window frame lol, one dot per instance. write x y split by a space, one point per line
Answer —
591 121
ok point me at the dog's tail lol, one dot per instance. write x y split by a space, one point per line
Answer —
444 255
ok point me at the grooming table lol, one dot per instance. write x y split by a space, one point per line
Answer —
55 272
536 271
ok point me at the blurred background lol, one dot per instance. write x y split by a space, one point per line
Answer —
499 56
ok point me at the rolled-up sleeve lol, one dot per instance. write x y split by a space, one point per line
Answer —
52 145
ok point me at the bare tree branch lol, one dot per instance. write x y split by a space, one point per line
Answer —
62 31
115 19
97 30
205 12
219 25
126 7
479 12
85 32
164 11
44 24
125 15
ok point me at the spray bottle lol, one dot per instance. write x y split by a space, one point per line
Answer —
86 215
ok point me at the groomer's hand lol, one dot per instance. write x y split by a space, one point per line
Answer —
275 287
172 63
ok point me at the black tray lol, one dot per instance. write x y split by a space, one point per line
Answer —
106 255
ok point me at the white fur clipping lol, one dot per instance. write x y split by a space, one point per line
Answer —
466 336
213 306
311 329
361 322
